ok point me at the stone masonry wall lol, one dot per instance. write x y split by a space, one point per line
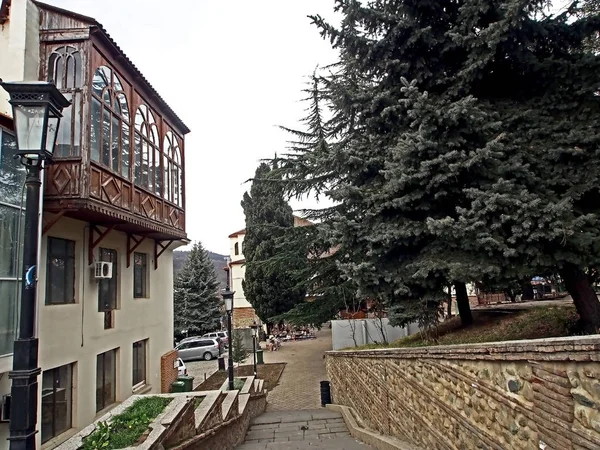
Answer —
168 371
538 394
243 317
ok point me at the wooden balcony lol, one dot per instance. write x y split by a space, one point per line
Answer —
94 194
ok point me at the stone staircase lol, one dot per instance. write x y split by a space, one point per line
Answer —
303 429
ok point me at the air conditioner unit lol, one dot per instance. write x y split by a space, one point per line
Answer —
103 269
5 414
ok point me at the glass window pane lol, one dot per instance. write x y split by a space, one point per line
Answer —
109 377
48 379
77 122
101 80
78 68
60 271
116 139
63 399
139 363
96 131
157 171
100 382
63 140
145 164
106 138
9 293
70 72
138 160
9 223
167 180
12 172
125 151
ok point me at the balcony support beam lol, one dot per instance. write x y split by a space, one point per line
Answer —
163 245
93 242
133 243
52 222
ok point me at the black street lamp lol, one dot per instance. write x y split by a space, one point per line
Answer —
227 295
37 110
254 327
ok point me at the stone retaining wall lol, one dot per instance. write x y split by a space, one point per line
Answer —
537 394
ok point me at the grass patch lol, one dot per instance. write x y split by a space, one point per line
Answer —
125 429
270 373
494 325
197 401
238 384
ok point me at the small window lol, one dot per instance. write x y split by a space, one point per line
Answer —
107 287
236 248
106 364
139 363
60 272
140 275
57 401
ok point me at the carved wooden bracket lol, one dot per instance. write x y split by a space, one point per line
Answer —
132 244
52 222
93 242
163 245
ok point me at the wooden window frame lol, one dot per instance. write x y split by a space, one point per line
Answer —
50 277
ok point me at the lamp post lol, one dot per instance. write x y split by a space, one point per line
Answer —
37 110
254 327
227 295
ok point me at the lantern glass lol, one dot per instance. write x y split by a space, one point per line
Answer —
228 303
30 127
52 131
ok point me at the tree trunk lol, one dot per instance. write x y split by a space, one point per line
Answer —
584 297
462 303
449 301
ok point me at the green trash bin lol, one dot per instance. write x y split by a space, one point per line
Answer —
188 382
177 386
259 356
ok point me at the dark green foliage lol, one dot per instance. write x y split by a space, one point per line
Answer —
270 283
238 350
197 305
126 428
462 145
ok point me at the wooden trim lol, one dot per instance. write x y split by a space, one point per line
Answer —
93 243
130 249
163 248
52 221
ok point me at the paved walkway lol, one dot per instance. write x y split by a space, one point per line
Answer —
298 430
299 384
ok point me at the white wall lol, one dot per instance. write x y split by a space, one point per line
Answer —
75 332
238 272
19 47
366 332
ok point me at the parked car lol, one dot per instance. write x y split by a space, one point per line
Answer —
219 334
201 348
181 367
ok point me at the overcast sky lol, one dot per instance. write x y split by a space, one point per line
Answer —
233 71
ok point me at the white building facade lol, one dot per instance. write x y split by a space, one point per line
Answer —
114 194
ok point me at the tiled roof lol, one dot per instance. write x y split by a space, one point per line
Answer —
163 104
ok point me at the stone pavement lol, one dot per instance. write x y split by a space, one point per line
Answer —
298 386
295 430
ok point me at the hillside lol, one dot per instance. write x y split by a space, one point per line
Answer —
180 257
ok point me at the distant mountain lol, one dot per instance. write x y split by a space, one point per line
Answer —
180 257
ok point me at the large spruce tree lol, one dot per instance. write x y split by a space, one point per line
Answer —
483 165
196 300
269 285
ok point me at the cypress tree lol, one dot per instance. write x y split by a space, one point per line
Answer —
271 288
196 301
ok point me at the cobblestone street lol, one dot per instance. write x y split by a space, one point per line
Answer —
299 385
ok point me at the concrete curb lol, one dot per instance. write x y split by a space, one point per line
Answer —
375 440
